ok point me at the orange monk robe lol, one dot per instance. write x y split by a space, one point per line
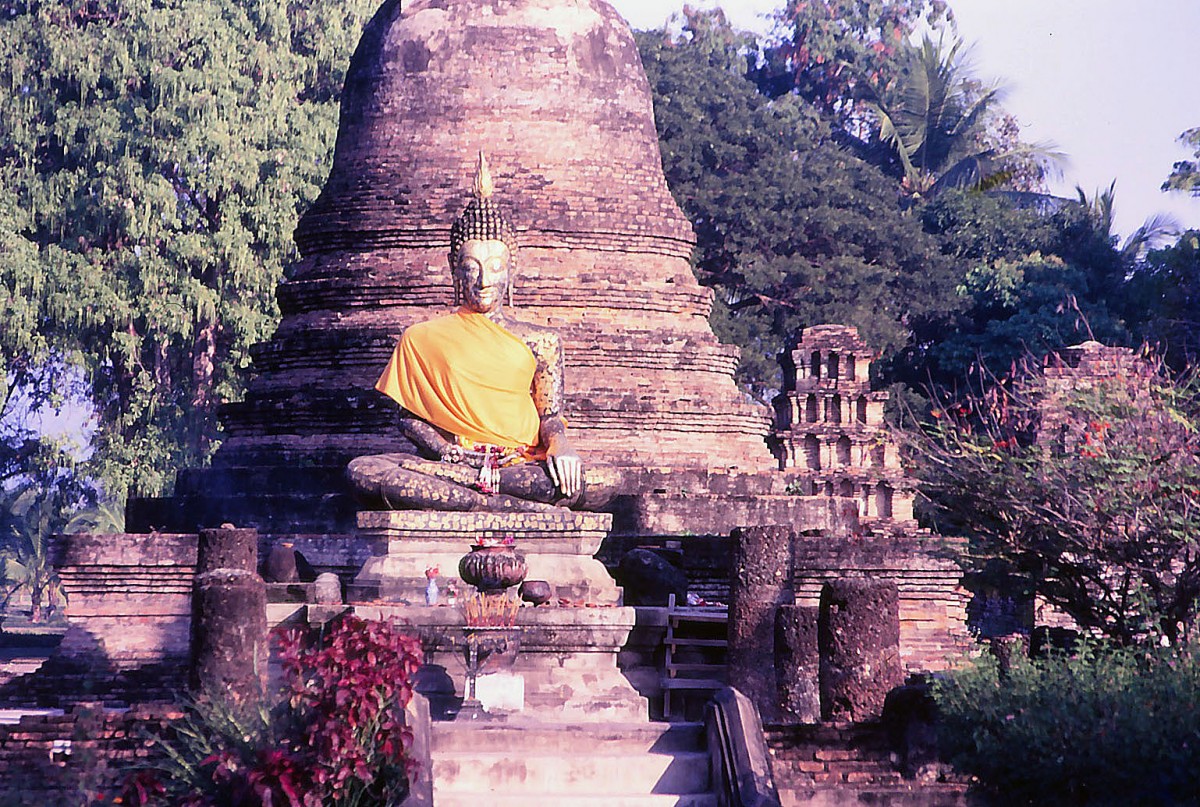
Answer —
467 375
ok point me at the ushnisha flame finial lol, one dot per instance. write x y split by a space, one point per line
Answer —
482 219
483 186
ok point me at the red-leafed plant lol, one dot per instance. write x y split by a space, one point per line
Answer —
336 737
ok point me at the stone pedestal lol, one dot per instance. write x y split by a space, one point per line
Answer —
568 659
568 655
558 548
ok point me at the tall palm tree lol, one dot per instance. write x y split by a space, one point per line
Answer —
27 567
934 117
1155 231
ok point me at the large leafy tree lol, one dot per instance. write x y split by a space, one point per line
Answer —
154 156
1034 274
1186 175
830 49
793 230
914 110
1166 288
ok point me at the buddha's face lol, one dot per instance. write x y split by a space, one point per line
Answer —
482 270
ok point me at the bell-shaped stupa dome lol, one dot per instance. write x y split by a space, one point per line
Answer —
553 91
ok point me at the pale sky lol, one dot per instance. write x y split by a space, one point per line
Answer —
1112 83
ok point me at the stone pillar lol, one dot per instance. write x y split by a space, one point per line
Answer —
797 663
229 615
827 454
761 582
862 369
859 636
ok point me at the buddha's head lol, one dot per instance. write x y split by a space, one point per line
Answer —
483 250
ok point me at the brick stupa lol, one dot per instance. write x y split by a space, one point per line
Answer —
554 93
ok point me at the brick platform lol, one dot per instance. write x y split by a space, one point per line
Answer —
835 764
61 758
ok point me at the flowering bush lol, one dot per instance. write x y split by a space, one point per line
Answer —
1091 496
335 738
1106 726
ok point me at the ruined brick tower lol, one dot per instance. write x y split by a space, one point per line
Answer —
829 427
831 441
554 92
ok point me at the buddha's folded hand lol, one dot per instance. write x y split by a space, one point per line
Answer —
566 470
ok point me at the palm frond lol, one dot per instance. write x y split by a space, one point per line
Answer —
1154 232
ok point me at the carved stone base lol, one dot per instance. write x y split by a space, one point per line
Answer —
558 548
568 658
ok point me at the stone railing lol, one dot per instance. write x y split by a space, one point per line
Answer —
741 762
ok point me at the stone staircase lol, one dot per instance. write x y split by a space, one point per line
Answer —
551 764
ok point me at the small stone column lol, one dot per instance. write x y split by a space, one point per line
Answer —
859 638
761 582
798 663
229 615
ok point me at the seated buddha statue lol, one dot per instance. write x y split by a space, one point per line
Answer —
481 394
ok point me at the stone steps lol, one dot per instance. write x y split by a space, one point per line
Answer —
613 764
633 774
608 738
598 706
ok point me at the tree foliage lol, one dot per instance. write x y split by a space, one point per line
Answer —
1091 493
830 48
1035 274
28 517
154 157
913 109
1186 174
36 499
793 231
1165 290
945 128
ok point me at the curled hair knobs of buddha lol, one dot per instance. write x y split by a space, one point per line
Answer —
482 220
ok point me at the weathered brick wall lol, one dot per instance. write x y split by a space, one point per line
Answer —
849 763
831 753
1083 367
74 757
129 606
131 594
933 602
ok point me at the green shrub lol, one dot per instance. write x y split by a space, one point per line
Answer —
1105 726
